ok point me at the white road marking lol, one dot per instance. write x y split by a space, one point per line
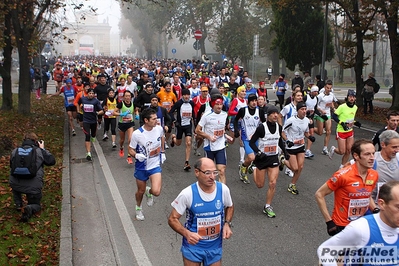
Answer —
130 230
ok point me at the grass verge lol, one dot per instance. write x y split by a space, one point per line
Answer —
35 242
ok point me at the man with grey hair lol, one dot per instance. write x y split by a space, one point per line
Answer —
386 161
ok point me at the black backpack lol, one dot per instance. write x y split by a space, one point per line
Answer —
23 163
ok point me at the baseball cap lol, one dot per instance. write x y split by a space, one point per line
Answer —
310 81
204 88
248 80
296 73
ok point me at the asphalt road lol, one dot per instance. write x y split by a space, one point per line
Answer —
105 232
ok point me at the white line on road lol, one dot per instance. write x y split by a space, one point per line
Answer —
130 230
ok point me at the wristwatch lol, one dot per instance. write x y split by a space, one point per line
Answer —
229 223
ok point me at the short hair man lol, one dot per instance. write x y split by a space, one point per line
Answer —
147 146
369 233
392 124
352 187
210 210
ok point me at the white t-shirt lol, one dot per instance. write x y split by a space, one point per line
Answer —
295 128
147 143
132 87
214 124
326 102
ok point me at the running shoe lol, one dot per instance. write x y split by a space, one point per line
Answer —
243 174
99 126
289 172
187 167
308 154
113 145
139 214
251 168
331 153
105 137
73 132
166 146
292 189
92 139
150 197
281 160
88 156
325 151
269 211
129 160
121 153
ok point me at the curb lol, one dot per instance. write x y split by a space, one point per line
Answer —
65 258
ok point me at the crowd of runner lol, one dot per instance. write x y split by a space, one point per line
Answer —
207 106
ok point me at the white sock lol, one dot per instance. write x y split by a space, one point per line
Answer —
341 166
242 154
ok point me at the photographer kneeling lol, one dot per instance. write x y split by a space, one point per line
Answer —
26 175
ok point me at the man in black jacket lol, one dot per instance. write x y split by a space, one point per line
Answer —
370 88
32 187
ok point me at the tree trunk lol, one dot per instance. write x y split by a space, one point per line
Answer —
24 102
5 68
392 23
359 68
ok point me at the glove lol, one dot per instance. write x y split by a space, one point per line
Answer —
289 143
236 134
312 138
260 157
137 117
358 124
124 114
140 157
331 228
344 125
324 117
163 157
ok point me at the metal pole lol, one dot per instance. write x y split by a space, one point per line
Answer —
323 58
374 47
196 47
